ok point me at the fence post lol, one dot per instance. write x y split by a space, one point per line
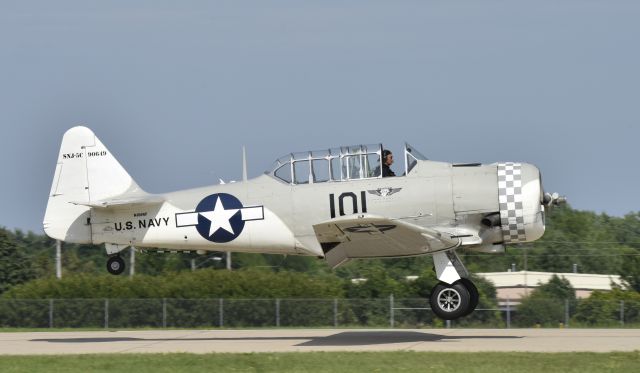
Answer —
50 313
508 313
621 313
106 313
392 320
277 312
164 313
335 312
566 313
221 311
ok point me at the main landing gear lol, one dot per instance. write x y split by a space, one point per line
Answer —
455 296
450 302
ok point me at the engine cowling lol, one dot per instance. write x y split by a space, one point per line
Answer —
520 198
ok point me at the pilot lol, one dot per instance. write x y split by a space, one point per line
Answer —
387 161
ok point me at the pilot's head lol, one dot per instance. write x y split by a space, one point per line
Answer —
387 157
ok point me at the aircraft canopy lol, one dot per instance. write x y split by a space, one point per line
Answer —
337 164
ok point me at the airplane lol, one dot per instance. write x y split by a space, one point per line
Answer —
332 204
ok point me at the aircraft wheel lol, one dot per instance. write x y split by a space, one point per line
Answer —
473 294
115 265
450 302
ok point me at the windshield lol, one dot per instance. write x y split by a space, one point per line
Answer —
412 156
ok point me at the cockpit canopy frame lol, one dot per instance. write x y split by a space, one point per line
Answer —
345 163
335 164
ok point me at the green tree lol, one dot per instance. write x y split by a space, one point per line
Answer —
15 267
546 305
377 284
630 271
603 307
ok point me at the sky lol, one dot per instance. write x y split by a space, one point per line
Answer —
176 88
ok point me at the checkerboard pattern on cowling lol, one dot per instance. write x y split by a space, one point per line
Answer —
510 197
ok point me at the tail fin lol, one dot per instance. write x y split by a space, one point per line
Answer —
86 172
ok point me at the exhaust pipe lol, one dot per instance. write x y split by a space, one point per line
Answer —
491 220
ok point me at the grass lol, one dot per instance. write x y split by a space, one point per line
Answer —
329 362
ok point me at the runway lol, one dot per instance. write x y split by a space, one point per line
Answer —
289 340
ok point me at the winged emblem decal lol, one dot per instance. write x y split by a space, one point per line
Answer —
383 192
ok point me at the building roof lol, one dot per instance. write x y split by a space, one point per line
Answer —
579 281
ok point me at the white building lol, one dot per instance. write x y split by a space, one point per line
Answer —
513 286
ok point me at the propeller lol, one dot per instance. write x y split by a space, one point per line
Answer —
553 199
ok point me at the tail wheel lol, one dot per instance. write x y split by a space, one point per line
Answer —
115 265
450 302
473 294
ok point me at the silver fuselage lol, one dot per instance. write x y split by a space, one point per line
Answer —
451 198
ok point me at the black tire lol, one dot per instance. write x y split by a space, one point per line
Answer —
473 294
449 302
115 265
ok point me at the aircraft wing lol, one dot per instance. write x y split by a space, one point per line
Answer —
147 199
369 236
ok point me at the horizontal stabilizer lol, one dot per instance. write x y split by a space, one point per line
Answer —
124 201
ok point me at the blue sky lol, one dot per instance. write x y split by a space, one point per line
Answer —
175 88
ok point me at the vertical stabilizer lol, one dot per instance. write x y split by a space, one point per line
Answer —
85 172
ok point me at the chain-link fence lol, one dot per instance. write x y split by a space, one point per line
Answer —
238 313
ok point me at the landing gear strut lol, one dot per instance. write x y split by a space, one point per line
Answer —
115 265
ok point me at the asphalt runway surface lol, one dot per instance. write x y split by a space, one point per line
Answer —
289 340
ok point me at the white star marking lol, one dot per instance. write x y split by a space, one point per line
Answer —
219 218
